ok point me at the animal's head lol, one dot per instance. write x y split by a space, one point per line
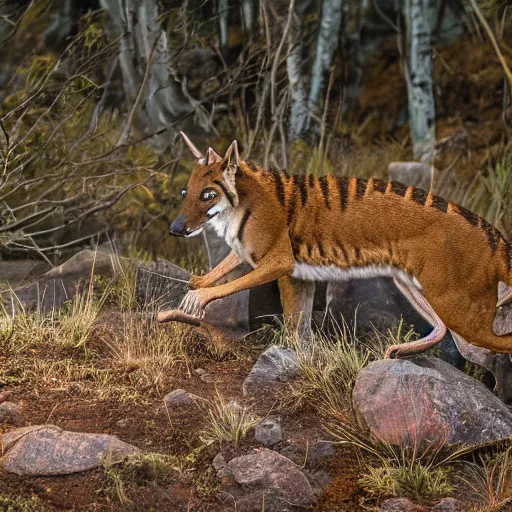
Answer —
210 189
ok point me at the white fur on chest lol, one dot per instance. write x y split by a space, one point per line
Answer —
332 273
227 225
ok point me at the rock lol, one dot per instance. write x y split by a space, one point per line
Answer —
46 450
268 432
9 412
218 462
319 452
416 174
160 284
450 505
426 401
274 366
179 398
60 284
401 505
269 472
123 423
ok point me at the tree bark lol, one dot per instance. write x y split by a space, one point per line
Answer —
299 115
420 16
326 44
143 43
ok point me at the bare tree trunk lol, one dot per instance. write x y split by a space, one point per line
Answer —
223 13
420 16
144 53
326 44
299 115
248 8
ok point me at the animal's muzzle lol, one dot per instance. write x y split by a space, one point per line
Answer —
178 226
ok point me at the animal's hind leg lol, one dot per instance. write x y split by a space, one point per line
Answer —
499 365
297 301
420 303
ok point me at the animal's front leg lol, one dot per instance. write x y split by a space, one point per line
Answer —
420 303
229 263
276 263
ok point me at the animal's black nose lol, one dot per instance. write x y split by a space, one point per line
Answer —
178 226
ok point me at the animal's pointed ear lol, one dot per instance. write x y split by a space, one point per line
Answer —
232 156
191 146
232 161
212 157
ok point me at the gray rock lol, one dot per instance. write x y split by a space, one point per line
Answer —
160 284
9 412
450 505
401 505
319 452
123 423
218 462
268 432
416 174
179 398
269 472
60 284
274 366
46 450
426 401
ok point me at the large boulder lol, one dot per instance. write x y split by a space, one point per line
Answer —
426 401
274 366
266 477
46 450
60 284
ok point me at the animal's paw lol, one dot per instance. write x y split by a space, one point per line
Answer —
392 352
193 304
196 282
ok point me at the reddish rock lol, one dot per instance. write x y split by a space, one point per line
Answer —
426 401
265 470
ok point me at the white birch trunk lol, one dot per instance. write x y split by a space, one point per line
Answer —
420 16
298 121
326 44
223 13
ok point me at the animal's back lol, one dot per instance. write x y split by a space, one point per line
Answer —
351 223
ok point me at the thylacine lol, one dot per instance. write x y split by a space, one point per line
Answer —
302 229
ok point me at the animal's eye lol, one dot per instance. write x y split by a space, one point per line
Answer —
208 194
184 192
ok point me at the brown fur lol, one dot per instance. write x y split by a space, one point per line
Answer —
457 257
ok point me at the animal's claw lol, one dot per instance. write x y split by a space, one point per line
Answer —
192 304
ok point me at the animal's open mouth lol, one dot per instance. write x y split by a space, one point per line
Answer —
195 232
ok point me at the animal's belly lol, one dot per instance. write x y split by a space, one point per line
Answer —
308 272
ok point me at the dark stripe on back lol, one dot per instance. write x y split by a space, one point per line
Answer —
398 188
291 207
345 255
380 186
471 217
324 185
278 178
300 184
311 181
225 190
241 228
360 187
493 236
440 204
310 250
419 196
321 251
343 191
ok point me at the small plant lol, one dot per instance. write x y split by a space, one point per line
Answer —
227 421
32 504
78 321
140 470
491 480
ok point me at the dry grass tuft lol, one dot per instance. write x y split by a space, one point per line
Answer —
226 422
